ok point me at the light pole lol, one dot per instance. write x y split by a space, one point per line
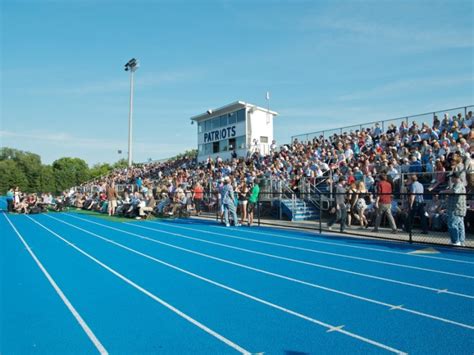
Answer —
131 66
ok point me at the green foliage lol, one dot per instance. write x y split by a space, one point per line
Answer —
25 170
189 154
48 182
70 172
120 164
99 170
11 175
28 163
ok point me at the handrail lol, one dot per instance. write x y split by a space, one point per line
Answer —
381 121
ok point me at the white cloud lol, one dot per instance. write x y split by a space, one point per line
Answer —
367 24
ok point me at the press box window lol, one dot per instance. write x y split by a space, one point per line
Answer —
240 116
232 118
223 145
215 147
223 120
232 144
215 123
240 142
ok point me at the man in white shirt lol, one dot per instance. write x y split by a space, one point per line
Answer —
469 119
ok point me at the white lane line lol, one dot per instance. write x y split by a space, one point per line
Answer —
296 261
324 288
148 293
246 230
335 329
241 293
324 252
401 307
61 294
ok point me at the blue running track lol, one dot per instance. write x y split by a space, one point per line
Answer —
73 283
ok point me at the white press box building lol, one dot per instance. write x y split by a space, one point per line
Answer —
238 126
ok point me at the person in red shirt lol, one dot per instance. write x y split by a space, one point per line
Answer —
383 203
198 195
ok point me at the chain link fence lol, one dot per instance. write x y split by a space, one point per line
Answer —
420 119
423 223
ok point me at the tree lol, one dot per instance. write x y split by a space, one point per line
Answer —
99 170
191 154
69 172
28 163
11 175
120 164
48 182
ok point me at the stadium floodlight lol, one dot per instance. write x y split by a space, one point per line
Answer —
132 65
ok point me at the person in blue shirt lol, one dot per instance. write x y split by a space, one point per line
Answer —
416 204
10 196
415 166
139 183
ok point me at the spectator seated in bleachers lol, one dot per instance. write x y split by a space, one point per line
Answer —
428 150
179 205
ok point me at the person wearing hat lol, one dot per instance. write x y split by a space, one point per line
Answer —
456 210
228 203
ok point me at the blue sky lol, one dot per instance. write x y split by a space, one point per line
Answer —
326 63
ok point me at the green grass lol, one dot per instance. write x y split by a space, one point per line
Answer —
110 218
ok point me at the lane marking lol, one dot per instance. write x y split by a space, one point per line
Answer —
241 293
247 230
90 334
146 292
424 251
401 308
325 252
295 261
328 289
335 329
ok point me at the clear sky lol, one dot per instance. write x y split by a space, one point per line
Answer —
326 63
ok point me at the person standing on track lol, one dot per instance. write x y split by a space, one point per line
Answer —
228 203
198 195
383 203
341 209
416 204
456 210
253 200
111 198
10 197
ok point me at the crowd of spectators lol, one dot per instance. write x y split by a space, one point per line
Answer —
428 151
33 203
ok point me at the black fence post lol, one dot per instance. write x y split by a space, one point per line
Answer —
217 208
258 209
320 213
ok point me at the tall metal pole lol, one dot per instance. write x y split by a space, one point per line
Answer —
132 66
130 119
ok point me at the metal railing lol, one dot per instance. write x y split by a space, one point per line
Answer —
383 124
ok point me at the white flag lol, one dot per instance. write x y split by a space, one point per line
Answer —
268 95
